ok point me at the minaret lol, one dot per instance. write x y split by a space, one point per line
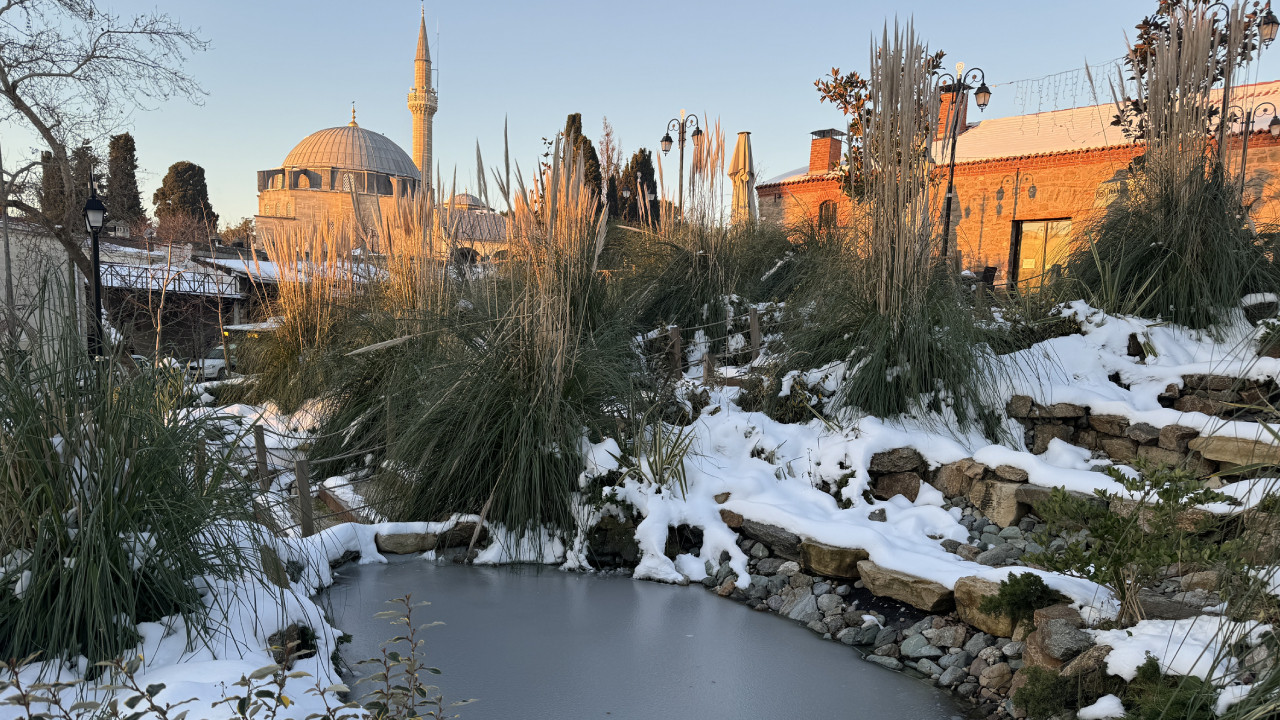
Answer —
422 103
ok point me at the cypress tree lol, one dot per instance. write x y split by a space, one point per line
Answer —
123 199
184 193
583 144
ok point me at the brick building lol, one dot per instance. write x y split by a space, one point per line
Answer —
1025 184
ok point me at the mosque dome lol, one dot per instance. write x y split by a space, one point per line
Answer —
466 201
351 147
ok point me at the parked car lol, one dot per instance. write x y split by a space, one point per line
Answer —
213 366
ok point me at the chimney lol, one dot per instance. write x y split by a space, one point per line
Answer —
825 151
946 103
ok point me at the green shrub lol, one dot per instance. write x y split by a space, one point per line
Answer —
1020 596
1131 544
1151 695
1045 694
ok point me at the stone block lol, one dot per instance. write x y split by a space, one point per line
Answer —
1109 424
952 480
998 501
1044 434
831 561
969 593
1143 433
918 592
906 484
731 518
783 543
407 543
1064 410
1087 438
1119 449
896 461
1236 450
1160 456
1019 406
1192 403
1176 437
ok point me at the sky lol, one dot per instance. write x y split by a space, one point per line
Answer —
278 70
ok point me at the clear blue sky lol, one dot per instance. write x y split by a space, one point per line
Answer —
278 70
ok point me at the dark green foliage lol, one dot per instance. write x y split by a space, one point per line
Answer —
1151 254
111 500
1020 596
639 179
1154 696
1128 548
123 199
58 203
591 161
1045 694
184 192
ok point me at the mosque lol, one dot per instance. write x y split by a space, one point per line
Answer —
353 177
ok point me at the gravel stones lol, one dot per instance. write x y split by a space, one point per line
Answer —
918 646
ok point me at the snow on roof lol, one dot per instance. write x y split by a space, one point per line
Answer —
256 269
1081 128
271 323
791 175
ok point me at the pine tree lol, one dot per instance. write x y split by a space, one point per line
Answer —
184 193
123 200
638 177
583 144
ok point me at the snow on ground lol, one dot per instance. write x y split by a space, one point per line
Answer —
1107 707
1193 647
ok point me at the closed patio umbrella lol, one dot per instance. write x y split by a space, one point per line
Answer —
742 172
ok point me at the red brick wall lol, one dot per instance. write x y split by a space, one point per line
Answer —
824 154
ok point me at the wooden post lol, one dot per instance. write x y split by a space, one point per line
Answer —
755 334
708 368
302 475
677 357
260 452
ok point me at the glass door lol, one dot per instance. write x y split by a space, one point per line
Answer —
1043 246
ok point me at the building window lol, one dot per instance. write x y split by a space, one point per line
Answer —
827 215
348 184
1040 251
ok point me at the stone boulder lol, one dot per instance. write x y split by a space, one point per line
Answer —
1177 437
407 543
1011 473
731 518
1143 433
918 592
1019 406
784 543
906 484
461 534
831 561
798 603
1034 653
1236 450
1045 434
998 500
1089 662
969 594
955 479
1120 449
1062 639
1109 424
896 461
997 677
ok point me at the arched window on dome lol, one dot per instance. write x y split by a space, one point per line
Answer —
304 181
266 210
288 209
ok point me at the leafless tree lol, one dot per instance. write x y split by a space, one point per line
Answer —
71 70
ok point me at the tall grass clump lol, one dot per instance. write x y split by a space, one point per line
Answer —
1178 244
115 503
885 302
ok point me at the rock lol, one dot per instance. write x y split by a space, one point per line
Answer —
969 552
798 602
979 642
1143 433
769 566
759 551
831 561
896 461
1236 450
789 568
951 636
906 484
731 518
917 592
829 602
998 501
951 480
1109 424
1087 439
1032 495
928 667
1013 649
884 636
1188 520
1034 653
1061 611
1045 434
890 650
1119 449
1158 607
1207 580
722 498
1013 532
727 587
1088 662
952 676
961 659
967 690
1010 473
1062 640
461 534
1160 456
1259 661
918 646
1063 410
1176 437
998 556
774 603
997 677
969 593
1193 403
821 588
784 544
890 663
1019 406
1216 383
801 580
408 543
851 636
877 515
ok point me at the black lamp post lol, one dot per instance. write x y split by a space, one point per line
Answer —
681 125
1247 129
958 85
94 215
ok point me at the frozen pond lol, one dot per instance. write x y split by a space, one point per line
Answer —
532 643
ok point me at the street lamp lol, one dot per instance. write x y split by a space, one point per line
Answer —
94 215
957 85
1247 129
681 125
